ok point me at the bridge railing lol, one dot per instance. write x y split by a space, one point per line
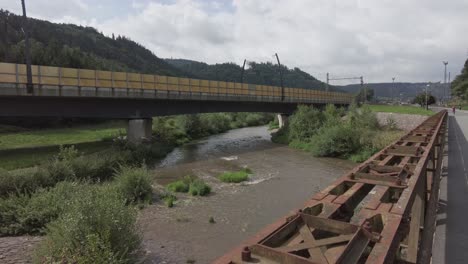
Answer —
58 81
382 211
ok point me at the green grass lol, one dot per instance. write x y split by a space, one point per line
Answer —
11 159
191 185
236 176
400 109
60 136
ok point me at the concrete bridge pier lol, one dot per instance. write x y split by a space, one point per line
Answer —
282 120
139 130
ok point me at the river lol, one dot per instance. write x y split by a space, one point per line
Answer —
283 178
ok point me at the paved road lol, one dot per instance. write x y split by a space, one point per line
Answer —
451 239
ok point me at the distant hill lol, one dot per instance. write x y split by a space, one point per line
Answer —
256 73
74 46
69 45
406 90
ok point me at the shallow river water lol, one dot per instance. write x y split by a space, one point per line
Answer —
282 180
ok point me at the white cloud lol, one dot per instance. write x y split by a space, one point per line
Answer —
378 39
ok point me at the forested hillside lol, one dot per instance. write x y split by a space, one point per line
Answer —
460 83
74 46
256 73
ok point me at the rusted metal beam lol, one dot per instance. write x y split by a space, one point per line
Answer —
372 214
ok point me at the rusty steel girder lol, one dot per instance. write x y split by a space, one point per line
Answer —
382 211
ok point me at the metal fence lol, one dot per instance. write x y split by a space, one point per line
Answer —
58 81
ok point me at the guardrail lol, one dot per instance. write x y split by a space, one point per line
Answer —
383 211
58 81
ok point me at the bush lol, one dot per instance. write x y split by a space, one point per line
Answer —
304 123
24 214
362 117
23 181
168 198
281 136
362 155
9 215
97 226
135 184
334 141
235 177
178 186
199 187
60 170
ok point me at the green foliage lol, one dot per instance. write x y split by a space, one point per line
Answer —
420 99
74 46
335 141
281 136
304 123
255 73
460 83
274 124
362 117
199 187
191 185
135 184
168 198
362 155
236 176
23 181
178 186
96 225
24 214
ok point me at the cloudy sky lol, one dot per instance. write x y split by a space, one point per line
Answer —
377 39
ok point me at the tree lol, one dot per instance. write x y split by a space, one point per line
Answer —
421 99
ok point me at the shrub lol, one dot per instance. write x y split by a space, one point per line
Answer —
9 214
362 117
304 123
168 198
96 226
199 187
281 136
362 155
335 141
46 205
23 181
178 186
60 170
24 214
235 177
135 184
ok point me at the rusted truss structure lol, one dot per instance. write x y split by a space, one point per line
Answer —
382 211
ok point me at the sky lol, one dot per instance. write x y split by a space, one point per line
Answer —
406 39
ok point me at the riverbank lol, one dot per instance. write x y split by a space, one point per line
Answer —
107 177
23 149
283 178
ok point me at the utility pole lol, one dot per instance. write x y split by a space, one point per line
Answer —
365 89
328 80
281 77
29 84
449 88
427 86
242 72
393 89
445 79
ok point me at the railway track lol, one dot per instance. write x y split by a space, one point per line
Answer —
382 211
